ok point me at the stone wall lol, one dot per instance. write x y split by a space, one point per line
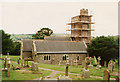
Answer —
58 58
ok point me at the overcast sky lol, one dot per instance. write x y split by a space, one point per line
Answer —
29 17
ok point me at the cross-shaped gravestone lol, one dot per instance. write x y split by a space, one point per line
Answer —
99 60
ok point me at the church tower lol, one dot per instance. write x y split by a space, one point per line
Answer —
81 27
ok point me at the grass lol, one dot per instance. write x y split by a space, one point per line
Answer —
72 69
16 75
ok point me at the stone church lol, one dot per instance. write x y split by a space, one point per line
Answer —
55 50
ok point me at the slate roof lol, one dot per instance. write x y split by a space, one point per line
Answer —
58 38
27 45
60 47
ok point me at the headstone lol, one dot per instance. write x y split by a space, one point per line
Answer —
114 63
110 66
90 65
8 69
8 54
76 62
95 61
21 62
0 56
105 63
99 60
18 61
5 62
87 60
71 62
98 66
106 75
67 65
64 79
83 63
85 73
34 66
59 63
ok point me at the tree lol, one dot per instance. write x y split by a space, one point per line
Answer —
105 47
16 48
42 33
7 43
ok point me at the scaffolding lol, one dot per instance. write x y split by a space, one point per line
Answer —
81 27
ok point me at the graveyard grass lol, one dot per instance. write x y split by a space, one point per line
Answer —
14 75
17 75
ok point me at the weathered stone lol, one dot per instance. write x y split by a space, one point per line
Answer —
75 62
67 65
87 60
90 66
34 66
99 60
5 62
63 78
106 75
105 63
110 67
85 73
95 61
98 67
8 69
84 63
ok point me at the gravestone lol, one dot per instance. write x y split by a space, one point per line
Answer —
85 73
87 60
21 62
67 65
83 63
59 63
8 69
90 65
105 63
71 62
18 61
5 62
34 66
64 79
76 62
110 66
114 63
98 66
106 75
95 61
